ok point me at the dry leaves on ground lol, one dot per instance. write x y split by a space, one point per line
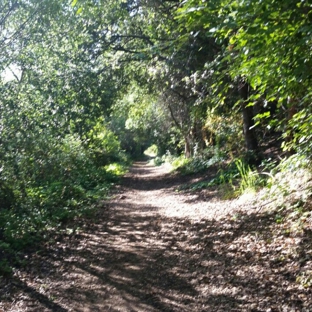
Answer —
153 249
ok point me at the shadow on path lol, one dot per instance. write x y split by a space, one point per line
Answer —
133 260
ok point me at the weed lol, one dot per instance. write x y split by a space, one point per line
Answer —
249 178
194 165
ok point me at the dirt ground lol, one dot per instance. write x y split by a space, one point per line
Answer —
152 248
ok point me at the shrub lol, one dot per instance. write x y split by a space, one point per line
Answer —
103 145
199 163
51 181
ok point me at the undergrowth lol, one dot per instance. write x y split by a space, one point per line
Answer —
238 177
186 166
49 186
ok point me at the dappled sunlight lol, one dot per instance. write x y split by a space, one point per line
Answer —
177 265
213 100
135 258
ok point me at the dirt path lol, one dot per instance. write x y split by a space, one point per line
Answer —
153 249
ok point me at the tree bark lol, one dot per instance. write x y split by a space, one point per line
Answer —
251 140
187 151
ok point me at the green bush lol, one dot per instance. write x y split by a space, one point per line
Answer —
180 162
51 181
103 145
158 161
197 164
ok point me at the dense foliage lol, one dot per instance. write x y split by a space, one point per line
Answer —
83 82
56 145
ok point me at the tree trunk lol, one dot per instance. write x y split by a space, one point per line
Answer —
289 131
248 122
187 144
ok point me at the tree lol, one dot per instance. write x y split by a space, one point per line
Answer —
264 44
52 118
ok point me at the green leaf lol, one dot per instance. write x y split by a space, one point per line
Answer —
302 139
255 81
194 9
214 29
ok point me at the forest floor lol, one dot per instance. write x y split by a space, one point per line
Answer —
151 248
